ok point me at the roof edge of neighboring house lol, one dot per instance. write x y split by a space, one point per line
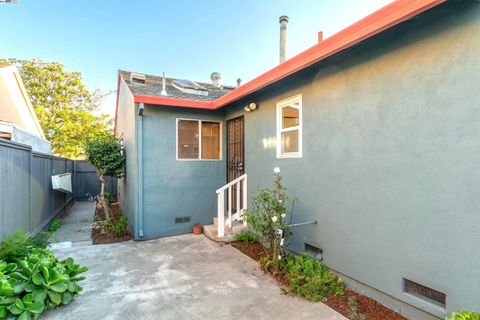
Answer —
26 98
373 24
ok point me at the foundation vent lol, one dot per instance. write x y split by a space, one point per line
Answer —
315 251
425 293
182 220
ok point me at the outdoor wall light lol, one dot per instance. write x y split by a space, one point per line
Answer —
250 107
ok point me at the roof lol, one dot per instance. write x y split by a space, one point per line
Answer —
153 87
15 104
377 22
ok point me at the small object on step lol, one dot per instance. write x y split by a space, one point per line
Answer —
197 229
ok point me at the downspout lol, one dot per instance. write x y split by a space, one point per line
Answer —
141 107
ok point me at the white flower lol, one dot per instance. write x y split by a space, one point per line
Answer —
274 218
280 201
283 215
276 170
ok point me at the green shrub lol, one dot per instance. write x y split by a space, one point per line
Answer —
246 236
119 227
108 197
55 225
464 315
36 282
267 214
311 279
16 246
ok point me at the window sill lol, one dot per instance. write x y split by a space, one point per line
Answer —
289 156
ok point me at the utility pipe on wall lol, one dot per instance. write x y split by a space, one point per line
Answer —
141 107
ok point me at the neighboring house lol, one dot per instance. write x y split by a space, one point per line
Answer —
18 121
375 129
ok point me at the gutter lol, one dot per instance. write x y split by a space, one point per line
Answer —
391 15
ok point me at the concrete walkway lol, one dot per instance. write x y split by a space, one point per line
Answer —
76 226
181 277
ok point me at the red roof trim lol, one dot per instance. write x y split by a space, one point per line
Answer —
166 101
388 16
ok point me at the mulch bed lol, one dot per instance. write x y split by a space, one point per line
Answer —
99 236
369 308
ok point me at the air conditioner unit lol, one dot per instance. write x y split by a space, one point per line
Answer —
62 182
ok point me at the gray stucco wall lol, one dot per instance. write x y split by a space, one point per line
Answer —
173 188
127 192
38 144
390 165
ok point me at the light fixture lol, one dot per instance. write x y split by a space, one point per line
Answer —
250 107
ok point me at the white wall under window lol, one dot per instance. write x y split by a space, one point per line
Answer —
289 127
198 139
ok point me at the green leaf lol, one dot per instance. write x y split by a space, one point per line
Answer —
54 297
59 287
6 301
19 287
30 286
36 308
45 273
38 279
14 310
19 304
3 311
39 295
67 297
25 316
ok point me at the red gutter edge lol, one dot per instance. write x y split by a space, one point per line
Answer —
382 19
373 24
166 101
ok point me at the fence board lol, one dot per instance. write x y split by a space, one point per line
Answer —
27 201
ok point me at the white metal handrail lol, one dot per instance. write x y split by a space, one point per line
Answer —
239 184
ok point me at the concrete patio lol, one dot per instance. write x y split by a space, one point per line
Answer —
181 277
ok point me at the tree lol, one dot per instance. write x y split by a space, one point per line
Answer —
106 154
65 108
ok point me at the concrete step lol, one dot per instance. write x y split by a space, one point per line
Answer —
211 232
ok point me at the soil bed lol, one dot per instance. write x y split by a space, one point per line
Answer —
369 308
100 236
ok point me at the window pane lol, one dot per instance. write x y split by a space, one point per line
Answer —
210 140
290 116
290 142
187 139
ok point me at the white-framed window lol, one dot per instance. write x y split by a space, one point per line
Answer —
289 127
199 139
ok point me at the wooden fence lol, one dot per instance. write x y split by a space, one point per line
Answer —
27 201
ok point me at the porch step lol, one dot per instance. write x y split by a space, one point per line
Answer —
211 232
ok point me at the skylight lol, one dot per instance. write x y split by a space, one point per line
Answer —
191 87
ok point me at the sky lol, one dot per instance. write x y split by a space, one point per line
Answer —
186 39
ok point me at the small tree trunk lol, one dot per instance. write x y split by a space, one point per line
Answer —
101 199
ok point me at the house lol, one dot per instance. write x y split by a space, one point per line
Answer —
375 129
18 121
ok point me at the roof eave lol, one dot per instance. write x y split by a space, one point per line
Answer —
382 19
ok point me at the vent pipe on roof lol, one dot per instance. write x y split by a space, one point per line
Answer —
164 91
283 38
216 79
320 36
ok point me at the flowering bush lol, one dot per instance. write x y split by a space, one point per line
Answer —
268 212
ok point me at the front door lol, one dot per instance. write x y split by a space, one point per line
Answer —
235 148
235 156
